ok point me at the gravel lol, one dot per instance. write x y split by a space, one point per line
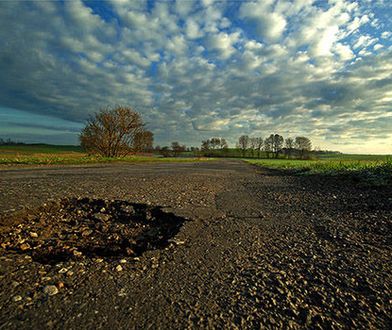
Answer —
224 245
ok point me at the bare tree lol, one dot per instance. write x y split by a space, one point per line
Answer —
111 132
303 145
268 142
259 145
289 145
276 144
223 144
252 145
243 143
215 143
177 148
143 141
205 145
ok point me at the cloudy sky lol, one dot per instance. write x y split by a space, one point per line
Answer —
198 69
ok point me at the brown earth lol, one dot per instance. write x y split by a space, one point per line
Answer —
205 245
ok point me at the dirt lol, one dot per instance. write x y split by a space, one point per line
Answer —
205 245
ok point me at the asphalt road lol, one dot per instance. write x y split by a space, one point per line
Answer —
256 249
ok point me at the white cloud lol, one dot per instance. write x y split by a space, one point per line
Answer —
192 29
192 70
223 43
365 41
270 25
344 52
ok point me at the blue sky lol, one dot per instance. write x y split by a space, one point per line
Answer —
198 69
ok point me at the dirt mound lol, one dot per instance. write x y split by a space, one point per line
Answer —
86 228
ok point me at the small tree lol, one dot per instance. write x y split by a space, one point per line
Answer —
223 144
143 141
243 143
259 145
111 132
303 145
289 145
252 145
177 148
275 144
268 142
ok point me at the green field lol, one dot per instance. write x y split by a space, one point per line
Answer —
42 154
372 169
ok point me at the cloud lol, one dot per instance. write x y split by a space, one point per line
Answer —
269 24
194 69
223 43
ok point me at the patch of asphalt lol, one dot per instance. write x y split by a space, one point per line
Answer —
259 250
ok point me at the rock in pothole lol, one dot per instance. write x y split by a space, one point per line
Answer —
91 228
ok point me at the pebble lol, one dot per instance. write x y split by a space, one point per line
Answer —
25 246
33 235
17 298
119 268
50 290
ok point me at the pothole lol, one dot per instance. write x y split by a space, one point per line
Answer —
92 228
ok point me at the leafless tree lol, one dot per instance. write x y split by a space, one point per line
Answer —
111 132
177 148
289 145
274 144
268 148
223 144
259 145
205 145
243 143
215 143
303 145
143 141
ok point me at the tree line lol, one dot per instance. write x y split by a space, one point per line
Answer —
119 131
274 145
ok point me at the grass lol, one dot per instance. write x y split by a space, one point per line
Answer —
374 171
69 155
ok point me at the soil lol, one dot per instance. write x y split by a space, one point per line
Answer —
206 245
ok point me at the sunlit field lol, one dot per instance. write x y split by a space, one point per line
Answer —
69 155
373 169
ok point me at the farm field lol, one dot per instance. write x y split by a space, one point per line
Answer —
373 169
69 155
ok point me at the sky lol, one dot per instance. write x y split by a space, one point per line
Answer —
201 69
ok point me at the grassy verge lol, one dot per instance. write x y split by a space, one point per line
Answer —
373 172
8 159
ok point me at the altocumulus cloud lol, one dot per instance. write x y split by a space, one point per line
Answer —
197 69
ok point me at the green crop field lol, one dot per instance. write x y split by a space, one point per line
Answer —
372 169
41 154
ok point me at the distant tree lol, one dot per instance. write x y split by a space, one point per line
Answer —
252 145
165 151
268 145
205 145
143 141
223 144
111 132
303 145
215 143
259 145
275 144
289 146
177 148
243 144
